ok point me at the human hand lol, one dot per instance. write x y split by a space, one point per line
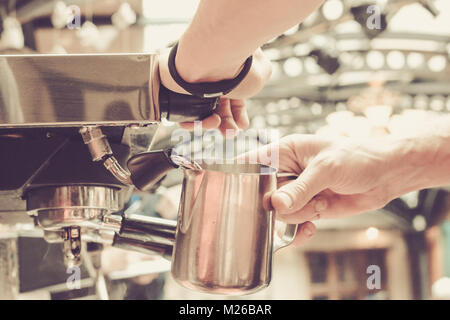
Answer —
231 113
337 177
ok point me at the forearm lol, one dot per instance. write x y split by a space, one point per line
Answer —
223 33
422 158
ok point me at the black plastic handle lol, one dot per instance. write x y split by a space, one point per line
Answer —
178 107
148 228
141 246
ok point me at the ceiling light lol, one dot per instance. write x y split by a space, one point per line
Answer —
441 289
283 104
437 103
12 36
295 102
414 60
372 233
311 65
437 63
421 102
293 67
124 17
395 60
332 9
375 59
411 199
406 101
316 109
419 223
302 49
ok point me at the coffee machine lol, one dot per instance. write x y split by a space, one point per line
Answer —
68 124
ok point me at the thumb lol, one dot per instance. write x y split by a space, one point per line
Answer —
296 194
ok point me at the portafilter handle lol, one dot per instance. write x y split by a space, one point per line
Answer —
142 246
147 228
143 234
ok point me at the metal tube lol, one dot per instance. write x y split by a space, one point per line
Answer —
148 228
100 150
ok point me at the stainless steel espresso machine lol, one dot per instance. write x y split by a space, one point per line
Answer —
68 124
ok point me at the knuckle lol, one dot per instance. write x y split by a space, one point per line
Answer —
298 188
326 162
292 140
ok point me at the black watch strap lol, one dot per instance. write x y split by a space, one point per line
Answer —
207 89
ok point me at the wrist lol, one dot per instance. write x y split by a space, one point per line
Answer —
419 162
195 65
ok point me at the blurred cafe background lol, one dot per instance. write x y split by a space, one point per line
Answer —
332 75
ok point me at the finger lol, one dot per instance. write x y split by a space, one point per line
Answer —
340 206
262 155
280 154
329 207
305 232
296 194
310 211
212 122
226 117
240 115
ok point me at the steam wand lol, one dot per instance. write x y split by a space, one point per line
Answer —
100 150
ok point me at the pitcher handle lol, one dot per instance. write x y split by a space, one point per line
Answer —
287 237
290 229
